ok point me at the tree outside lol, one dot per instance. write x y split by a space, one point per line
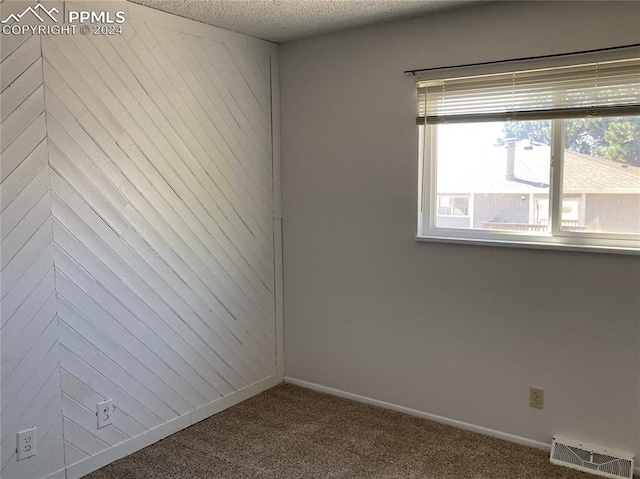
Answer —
616 139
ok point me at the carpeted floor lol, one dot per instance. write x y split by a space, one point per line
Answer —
290 432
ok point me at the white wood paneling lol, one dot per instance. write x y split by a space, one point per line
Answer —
138 247
164 266
30 371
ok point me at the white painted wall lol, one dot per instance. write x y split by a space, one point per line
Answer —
138 246
451 330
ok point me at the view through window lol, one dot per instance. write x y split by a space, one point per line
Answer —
497 175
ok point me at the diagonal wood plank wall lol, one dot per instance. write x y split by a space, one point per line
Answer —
30 372
138 245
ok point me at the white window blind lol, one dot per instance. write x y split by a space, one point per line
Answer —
594 89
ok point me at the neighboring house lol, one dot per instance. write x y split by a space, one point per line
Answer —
599 195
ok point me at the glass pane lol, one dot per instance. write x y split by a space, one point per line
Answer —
601 180
493 176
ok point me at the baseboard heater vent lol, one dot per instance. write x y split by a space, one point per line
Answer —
591 459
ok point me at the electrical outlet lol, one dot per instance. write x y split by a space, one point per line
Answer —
105 410
26 443
536 398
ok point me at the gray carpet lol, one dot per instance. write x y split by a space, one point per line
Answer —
290 432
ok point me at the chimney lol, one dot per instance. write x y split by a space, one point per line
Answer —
511 158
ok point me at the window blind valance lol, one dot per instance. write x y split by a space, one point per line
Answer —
593 89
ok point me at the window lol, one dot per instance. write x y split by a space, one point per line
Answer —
544 158
453 205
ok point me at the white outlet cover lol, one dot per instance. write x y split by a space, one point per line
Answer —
105 413
26 443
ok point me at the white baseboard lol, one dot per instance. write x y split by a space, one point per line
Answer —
432 417
59 474
414 412
234 398
93 463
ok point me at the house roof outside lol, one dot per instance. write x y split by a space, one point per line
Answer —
590 174
482 169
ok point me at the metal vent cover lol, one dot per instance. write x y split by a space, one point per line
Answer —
591 459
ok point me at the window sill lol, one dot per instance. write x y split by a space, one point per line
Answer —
527 244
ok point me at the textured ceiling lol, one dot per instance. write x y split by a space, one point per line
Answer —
284 20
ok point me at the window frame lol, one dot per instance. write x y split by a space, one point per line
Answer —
556 238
